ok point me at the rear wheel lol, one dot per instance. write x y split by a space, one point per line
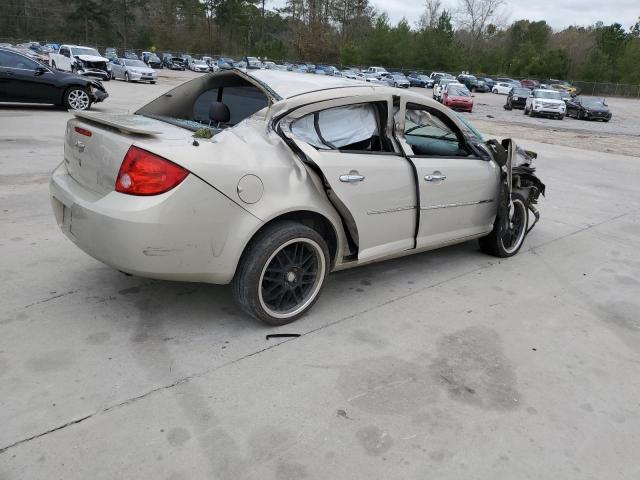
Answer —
508 234
281 273
77 98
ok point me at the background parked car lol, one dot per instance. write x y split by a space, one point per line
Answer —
197 65
81 60
252 63
588 108
515 83
154 61
131 55
438 87
133 71
25 80
174 63
502 88
457 97
489 81
419 80
225 63
545 103
517 98
531 84
473 84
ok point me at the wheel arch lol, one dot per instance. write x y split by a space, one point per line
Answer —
315 220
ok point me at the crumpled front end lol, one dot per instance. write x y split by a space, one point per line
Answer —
518 177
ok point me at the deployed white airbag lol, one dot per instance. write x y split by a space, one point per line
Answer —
337 127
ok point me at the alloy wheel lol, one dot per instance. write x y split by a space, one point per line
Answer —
516 226
78 100
292 277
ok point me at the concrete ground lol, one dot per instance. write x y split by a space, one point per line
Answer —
446 365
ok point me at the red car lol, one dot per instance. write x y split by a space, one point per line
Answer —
458 98
530 83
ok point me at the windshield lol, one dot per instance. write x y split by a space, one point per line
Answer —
134 63
252 59
458 92
471 130
593 102
547 94
399 76
522 92
84 51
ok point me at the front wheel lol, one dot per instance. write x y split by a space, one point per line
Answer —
508 233
281 273
77 98
126 77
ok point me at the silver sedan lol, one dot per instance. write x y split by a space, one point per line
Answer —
132 71
269 180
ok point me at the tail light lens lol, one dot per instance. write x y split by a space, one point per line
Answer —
143 173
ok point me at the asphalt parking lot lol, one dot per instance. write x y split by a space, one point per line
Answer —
448 364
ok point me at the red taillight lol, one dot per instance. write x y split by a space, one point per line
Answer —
83 131
143 173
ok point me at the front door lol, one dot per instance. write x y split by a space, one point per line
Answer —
369 182
458 190
20 80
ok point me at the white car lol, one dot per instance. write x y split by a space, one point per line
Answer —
270 180
502 88
546 103
438 87
132 71
81 60
198 66
377 71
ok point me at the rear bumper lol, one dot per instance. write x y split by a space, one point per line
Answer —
191 233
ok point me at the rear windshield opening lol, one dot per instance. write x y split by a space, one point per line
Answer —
189 105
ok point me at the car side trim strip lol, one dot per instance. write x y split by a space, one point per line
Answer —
391 210
451 205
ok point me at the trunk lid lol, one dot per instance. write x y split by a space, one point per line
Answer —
94 160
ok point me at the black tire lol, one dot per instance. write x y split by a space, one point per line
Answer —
77 98
53 65
513 232
126 77
526 112
267 267
580 115
152 82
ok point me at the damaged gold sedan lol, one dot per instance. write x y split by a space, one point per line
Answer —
269 180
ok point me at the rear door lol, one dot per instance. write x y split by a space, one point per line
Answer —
458 190
367 178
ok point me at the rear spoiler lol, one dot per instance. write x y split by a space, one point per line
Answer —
126 123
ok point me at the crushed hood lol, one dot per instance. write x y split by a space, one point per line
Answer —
91 58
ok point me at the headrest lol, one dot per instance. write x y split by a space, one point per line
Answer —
219 112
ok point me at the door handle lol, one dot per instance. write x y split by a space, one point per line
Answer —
352 177
435 177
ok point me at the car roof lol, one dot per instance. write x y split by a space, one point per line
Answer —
291 84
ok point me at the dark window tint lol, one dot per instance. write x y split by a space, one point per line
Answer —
13 60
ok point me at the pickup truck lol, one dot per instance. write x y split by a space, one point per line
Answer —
81 60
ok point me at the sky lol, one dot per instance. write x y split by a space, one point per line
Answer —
557 13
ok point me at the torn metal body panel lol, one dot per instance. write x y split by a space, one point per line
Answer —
198 184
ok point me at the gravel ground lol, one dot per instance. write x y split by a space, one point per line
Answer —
620 135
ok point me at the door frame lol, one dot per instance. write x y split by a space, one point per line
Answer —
283 124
